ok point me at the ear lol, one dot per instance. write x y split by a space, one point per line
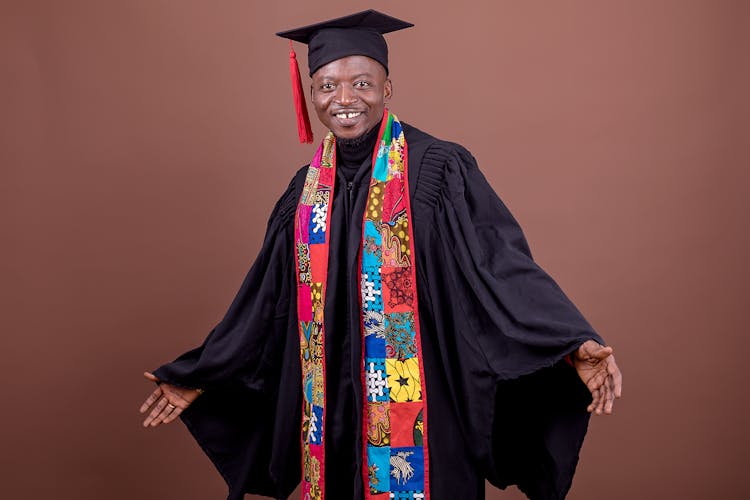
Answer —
387 90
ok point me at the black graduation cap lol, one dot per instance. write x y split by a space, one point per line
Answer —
356 34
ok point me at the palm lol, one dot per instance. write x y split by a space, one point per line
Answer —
167 402
597 369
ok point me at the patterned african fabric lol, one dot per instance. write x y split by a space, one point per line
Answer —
395 454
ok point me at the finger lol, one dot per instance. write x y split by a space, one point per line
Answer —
151 376
602 352
594 400
169 408
584 350
592 348
173 415
596 380
616 377
599 396
155 412
151 399
600 402
595 405
606 396
610 396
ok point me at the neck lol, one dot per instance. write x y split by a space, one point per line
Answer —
355 150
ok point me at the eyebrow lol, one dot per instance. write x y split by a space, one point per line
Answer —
360 75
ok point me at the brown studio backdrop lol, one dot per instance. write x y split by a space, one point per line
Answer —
143 143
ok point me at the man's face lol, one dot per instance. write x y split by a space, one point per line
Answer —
349 95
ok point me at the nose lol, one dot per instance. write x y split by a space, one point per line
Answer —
345 95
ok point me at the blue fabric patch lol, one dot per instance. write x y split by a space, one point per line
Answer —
372 288
372 230
395 130
376 380
374 347
400 334
378 465
373 243
407 495
308 387
380 170
369 260
316 425
317 233
407 468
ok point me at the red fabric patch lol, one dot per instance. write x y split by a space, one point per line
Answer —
326 176
393 201
303 222
403 417
398 293
319 264
305 303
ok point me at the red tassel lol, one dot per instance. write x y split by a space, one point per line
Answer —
300 106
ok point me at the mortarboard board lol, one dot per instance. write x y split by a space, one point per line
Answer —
356 34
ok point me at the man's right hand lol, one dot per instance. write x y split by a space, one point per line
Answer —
167 400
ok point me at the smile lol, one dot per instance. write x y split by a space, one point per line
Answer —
348 115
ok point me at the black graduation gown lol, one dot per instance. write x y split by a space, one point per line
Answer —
502 405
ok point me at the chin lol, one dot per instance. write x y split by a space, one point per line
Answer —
353 132
349 133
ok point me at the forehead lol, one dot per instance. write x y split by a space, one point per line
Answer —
351 66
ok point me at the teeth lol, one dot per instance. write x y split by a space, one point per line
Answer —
348 115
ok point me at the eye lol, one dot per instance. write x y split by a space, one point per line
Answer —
362 84
326 86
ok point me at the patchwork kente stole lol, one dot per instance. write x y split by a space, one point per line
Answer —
394 423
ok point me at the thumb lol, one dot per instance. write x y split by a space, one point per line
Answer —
601 352
151 377
592 349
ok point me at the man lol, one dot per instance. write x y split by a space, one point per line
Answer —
394 338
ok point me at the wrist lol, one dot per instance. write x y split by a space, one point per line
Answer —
569 359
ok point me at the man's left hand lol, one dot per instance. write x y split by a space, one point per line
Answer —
596 366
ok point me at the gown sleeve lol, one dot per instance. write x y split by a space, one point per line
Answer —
503 327
248 367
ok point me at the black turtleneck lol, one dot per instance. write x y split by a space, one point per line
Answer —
351 153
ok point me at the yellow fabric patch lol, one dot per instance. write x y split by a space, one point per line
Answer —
403 379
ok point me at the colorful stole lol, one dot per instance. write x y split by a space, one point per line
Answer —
395 455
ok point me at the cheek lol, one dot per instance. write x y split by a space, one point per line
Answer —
320 103
376 101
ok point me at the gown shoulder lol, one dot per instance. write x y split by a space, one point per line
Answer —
287 203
